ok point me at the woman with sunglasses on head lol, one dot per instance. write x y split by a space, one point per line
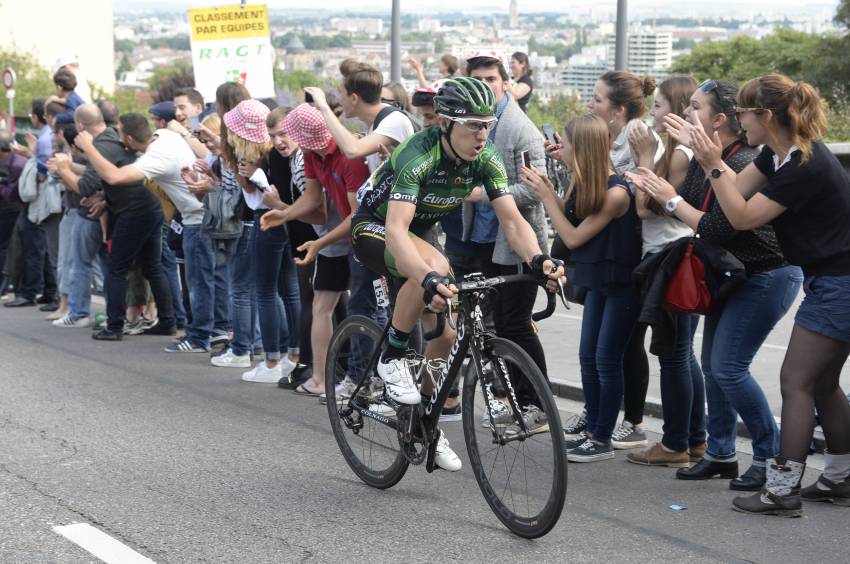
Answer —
682 387
798 186
733 334
599 225
620 98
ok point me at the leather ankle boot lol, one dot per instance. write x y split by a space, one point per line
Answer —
750 481
780 495
707 469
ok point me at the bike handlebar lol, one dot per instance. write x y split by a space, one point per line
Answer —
474 285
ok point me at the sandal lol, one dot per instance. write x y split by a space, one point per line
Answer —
302 391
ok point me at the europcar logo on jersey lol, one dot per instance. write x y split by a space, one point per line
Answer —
441 201
495 160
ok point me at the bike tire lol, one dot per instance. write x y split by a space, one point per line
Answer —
354 446
551 493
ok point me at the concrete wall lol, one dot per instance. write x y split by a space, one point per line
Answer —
50 28
842 151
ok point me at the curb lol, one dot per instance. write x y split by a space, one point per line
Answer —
652 407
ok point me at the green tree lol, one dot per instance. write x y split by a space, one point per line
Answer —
842 14
176 42
33 80
295 81
165 80
124 46
557 112
123 66
785 51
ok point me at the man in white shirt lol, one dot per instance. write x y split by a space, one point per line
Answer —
166 154
360 97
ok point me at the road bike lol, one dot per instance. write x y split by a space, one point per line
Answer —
521 469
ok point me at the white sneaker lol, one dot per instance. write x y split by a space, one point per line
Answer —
264 375
344 389
286 366
445 457
230 360
66 321
398 381
502 414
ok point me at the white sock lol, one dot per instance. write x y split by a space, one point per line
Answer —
836 469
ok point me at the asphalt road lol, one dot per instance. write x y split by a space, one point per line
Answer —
183 462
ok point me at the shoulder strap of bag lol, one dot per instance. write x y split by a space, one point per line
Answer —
709 189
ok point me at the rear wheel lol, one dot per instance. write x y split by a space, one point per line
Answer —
523 476
370 446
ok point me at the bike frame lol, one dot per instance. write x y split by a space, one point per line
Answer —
470 329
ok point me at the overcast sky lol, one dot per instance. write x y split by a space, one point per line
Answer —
661 7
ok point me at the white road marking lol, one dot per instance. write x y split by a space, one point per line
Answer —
100 544
699 335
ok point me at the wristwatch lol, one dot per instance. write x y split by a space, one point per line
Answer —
716 172
670 205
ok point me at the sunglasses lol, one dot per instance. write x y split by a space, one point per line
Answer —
739 111
394 103
708 86
475 125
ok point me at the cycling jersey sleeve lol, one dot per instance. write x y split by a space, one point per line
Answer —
494 176
411 168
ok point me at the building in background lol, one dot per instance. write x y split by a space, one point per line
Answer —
513 15
48 30
650 52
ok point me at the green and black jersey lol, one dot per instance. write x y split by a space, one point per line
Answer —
420 173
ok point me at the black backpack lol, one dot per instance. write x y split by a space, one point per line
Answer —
387 110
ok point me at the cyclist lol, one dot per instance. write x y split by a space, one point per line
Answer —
425 179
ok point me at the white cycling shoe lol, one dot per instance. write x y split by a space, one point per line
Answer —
398 381
445 457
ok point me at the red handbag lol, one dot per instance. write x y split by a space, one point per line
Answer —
687 291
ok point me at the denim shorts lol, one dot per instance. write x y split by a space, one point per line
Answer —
826 308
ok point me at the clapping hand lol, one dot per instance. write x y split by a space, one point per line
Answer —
311 248
643 145
647 182
199 183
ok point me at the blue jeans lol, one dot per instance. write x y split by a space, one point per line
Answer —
169 265
609 317
270 247
221 305
243 312
84 248
199 254
682 389
362 302
63 266
732 338
291 296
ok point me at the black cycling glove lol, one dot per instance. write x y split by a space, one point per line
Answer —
429 283
537 264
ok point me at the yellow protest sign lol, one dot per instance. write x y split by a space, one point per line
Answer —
229 22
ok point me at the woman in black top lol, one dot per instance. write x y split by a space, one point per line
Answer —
523 84
800 188
734 334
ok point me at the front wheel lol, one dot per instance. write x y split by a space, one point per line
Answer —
522 473
369 445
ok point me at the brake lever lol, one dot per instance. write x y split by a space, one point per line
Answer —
562 294
449 315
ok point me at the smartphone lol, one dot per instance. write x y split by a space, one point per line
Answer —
526 159
550 134
194 122
308 97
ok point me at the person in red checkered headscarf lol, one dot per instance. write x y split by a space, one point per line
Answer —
326 166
